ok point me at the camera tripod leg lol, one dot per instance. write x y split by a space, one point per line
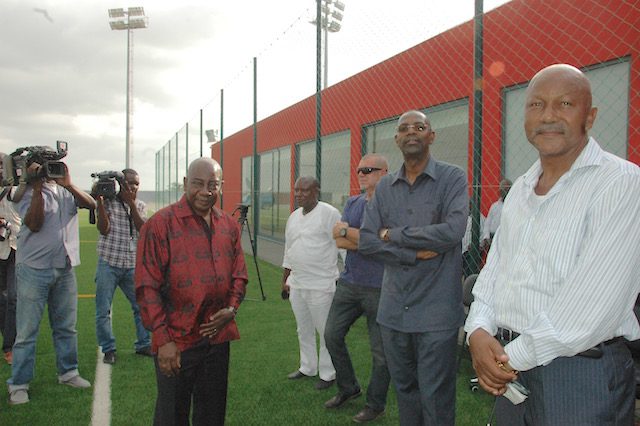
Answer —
244 223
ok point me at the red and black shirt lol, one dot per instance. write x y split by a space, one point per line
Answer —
186 271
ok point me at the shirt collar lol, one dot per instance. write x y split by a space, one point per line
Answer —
183 209
591 155
429 170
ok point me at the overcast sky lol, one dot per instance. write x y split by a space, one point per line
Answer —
63 70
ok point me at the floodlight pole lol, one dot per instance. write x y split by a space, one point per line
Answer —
330 21
128 101
119 19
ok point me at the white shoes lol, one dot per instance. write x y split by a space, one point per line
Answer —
75 382
18 396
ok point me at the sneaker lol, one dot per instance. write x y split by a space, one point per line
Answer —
75 382
18 396
367 414
146 351
8 356
109 357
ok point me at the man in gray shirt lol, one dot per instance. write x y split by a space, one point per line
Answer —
415 213
48 250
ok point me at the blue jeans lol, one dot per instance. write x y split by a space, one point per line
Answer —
56 287
350 302
108 278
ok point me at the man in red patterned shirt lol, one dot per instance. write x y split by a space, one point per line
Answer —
190 279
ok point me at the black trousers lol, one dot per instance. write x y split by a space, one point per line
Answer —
202 380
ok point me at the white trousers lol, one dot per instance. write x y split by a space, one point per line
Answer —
311 309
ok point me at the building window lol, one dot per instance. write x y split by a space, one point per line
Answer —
247 179
306 161
610 89
336 169
275 184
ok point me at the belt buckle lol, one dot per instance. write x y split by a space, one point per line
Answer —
506 334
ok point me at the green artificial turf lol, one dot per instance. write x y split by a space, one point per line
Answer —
259 392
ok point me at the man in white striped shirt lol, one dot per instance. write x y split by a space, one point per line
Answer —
561 278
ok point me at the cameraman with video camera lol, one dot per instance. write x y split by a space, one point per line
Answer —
119 219
48 249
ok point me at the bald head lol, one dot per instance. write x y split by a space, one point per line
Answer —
202 185
559 114
571 77
204 162
376 160
307 192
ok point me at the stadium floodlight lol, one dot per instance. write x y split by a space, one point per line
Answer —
212 135
130 19
331 22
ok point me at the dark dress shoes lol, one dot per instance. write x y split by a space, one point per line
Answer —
367 414
296 375
340 399
324 384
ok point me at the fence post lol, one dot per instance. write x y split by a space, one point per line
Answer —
477 136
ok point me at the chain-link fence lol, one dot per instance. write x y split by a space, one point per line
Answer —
466 70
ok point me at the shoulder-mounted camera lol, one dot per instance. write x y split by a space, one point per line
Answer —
15 165
105 183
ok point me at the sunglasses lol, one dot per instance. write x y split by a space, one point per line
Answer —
368 170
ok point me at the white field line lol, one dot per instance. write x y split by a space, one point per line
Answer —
101 410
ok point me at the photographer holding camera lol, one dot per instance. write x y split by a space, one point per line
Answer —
48 249
119 220
10 223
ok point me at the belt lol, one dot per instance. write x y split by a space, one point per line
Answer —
507 336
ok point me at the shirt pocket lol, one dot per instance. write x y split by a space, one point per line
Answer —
557 242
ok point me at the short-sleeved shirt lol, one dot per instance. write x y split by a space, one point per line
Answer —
310 251
359 269
59 236
118 247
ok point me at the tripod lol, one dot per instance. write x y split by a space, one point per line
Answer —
244 222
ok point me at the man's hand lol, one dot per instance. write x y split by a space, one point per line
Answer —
216 322
169 359
285 290
337 227
64 181
425 254
127 195
490 362
32 171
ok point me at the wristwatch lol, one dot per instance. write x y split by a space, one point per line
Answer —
343 232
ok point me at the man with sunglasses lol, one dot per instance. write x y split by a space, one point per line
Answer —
357 294
416 212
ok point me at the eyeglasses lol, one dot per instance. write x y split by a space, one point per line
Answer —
367 170
420 127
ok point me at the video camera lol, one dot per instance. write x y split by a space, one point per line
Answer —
106 183
15 165
243 209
